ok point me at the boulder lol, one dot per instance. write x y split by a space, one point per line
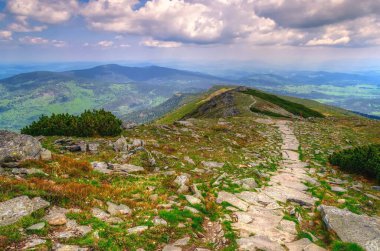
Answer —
16 147
350 227
13 210
192 200
248 183
56 216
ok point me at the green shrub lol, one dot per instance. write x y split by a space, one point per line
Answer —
364 160
88 124
346 246
293 108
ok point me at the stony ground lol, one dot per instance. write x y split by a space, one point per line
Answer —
210 184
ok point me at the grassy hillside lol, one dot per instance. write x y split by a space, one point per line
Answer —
191 105
291 107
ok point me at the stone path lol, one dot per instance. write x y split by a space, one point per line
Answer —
260 222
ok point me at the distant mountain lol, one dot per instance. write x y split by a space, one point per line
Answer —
120 89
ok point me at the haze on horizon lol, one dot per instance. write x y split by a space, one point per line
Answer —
340 35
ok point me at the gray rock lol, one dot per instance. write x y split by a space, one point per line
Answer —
127 168
93 147
45 154
182 242
121 145
171 248
137 142
13 210
212 164
115 209
61 247
138 229
189 160
56 216
157 221
72 230
37 226
101 167
192 200
16 147
377 188
32 243
128 125
248 183
191 209
338 189
350 227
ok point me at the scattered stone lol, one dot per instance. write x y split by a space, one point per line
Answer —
192 200
313 247
184 123
121 145
13 210
171 248
351 227
61 247
45 154
212 164
128 125
182 242
341 201
191 209
38 226
138 229
189 160
376 188
128 168
182 181
157 221
32 243
93 147
72 230
137 142
338 189
115 209
101 167
56 216
248 183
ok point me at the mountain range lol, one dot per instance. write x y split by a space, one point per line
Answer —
143 93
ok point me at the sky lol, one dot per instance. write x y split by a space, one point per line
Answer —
279 34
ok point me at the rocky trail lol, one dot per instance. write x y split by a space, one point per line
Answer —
259 218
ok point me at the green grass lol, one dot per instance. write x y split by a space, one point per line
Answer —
294 108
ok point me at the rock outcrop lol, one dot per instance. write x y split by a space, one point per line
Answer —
15 147
350 227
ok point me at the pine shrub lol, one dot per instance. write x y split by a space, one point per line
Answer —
88 124
364 160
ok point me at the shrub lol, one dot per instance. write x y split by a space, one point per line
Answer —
88 124
364 160
346 246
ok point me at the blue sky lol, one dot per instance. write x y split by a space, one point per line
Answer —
297 34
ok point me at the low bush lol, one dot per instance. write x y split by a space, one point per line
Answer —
88 124
364 160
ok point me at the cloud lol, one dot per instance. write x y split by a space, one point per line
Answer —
160 44
105 43
5 35
2 16
46 11
18 27
33 40
317 13
42 41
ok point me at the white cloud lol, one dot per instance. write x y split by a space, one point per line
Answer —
105 43
42 41
5 35
160 44
46 11
19 27
33 40
124 45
